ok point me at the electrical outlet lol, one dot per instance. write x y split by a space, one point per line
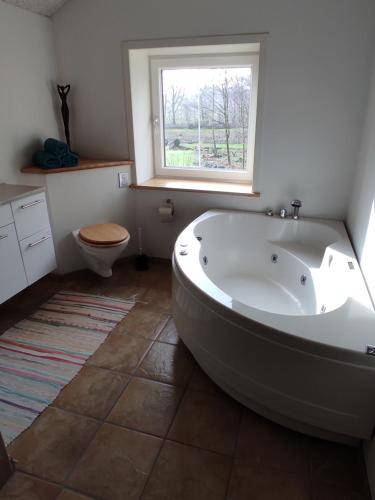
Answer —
123 179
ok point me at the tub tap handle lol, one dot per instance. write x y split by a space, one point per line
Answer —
283 213
269 212
296 204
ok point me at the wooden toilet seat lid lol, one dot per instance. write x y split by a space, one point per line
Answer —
104 234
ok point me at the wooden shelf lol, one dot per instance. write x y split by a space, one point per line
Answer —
84 164
199 186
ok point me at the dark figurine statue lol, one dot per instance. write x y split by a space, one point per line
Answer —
63 91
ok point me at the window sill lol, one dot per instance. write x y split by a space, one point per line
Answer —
198 186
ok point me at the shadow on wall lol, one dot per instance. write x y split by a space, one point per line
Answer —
366 251
23 153
56 104
68 255
361 216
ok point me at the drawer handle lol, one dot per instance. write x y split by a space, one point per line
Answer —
31 245
31 204
3 236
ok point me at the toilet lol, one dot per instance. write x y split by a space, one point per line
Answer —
101 245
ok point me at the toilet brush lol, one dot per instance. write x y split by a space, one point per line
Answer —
141 261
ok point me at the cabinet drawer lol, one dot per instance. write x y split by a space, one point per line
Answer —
30 215
6 216
12 272
38 255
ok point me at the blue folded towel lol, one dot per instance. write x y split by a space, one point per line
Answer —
55 147
70 159
46 160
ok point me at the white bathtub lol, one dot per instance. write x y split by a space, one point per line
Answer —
277 313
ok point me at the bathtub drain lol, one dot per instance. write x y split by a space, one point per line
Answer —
303 279
274 258
205 260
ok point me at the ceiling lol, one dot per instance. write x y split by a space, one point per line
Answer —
44 7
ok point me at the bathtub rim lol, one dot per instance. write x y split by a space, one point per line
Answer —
350 308
312 347
205 362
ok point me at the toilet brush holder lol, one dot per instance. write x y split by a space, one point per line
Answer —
141 260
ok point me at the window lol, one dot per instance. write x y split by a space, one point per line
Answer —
192 106
204 114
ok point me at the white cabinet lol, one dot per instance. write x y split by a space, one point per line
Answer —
12 272
26 245
30 215
6 216
38 255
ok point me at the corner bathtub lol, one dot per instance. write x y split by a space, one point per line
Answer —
277 313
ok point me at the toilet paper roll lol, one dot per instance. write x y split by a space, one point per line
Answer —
166 214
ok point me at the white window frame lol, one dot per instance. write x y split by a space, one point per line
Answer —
213 60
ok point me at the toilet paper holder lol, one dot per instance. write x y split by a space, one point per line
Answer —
166 211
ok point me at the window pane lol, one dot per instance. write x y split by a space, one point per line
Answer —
206 116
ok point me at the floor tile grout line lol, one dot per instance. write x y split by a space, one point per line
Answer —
185 387
162 326
233 457
166 439
85 415
100 422
133 429
85 364
166 434
56 483
126 332
310 476
85 448
118 398
136 375
132 376
152 341
104 421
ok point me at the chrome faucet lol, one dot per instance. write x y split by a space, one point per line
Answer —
296 204
283 213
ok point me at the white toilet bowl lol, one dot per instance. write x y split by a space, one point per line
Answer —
100 253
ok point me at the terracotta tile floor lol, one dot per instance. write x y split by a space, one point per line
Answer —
142 420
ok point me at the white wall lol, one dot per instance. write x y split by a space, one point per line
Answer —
361 216
29 113
317 73
361 226
27 76
87 197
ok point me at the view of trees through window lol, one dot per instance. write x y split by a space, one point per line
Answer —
206 116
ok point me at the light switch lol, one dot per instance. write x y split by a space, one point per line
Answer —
123 179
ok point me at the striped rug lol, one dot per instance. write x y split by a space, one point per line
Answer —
41 354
